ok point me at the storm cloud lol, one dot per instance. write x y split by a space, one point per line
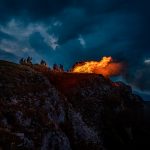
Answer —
73 30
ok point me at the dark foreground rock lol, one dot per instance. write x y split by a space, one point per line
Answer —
40 109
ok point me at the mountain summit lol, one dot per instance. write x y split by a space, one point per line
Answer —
47 110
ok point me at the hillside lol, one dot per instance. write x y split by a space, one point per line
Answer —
42 109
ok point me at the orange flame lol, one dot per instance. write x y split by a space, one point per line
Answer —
106 66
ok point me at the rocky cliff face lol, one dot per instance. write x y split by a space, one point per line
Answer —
40 109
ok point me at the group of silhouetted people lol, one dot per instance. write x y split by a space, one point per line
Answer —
43 62
59 68
28 61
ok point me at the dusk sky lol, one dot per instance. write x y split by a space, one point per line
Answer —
67 31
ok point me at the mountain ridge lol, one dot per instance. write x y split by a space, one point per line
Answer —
43 109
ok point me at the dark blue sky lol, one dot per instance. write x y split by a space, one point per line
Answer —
66 31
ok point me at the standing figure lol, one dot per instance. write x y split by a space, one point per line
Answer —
29 60
61 68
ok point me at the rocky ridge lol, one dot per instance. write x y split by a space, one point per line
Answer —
41 109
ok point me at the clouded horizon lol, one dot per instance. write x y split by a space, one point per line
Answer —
73 30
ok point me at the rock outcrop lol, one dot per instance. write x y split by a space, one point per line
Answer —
40 109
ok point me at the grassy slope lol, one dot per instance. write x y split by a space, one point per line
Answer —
19 78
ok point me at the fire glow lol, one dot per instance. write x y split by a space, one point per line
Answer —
106 66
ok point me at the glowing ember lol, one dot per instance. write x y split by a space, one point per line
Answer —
107 67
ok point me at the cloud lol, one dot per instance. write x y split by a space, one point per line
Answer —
57 23
8 56
8 46
51 40
82 41
21 34
147 61
142 79
138 77
31 9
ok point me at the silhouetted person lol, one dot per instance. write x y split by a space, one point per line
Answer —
43 63
21 61
61 67
24 61
55 67
29 60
